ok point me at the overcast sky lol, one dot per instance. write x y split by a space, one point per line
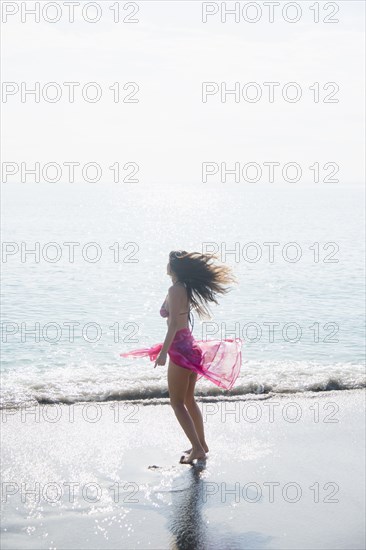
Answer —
169 53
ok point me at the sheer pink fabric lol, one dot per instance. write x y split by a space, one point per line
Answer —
217 360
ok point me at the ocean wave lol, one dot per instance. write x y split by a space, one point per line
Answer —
86 383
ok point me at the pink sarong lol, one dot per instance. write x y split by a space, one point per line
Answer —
217 360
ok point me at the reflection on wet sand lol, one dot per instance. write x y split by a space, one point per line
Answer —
191 530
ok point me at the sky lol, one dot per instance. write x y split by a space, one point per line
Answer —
169 132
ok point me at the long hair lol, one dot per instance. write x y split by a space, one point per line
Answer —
203 279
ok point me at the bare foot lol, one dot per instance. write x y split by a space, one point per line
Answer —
198 454
188 451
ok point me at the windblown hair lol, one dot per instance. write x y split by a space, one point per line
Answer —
203 279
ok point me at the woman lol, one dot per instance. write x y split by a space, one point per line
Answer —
196 282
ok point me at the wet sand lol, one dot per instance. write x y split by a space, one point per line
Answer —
283 472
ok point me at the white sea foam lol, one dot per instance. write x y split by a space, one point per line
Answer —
114 382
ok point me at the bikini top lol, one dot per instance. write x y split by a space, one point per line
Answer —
164 311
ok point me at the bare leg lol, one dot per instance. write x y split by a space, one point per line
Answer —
178 379
195 412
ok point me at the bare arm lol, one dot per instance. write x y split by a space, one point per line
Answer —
176 298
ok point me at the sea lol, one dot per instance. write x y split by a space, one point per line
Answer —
84 276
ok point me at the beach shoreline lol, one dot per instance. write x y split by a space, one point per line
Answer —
283 471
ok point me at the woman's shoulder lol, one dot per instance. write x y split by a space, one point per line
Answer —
177 289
